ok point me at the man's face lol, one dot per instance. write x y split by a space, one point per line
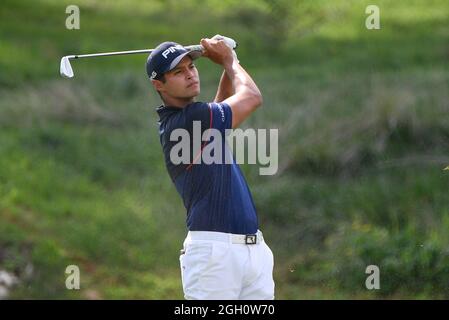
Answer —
182 82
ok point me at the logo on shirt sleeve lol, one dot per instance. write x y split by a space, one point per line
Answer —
220 107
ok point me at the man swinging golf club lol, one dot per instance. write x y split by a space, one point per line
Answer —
224 254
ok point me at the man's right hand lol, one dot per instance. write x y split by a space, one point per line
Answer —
217 51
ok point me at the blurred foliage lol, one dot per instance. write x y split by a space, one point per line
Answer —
363 138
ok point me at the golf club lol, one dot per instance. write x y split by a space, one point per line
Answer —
67 71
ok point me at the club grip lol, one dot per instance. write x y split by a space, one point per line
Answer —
231 43
196 47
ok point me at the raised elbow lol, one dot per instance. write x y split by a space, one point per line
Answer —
260 100
257 98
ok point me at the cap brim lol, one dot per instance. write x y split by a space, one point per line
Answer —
193 54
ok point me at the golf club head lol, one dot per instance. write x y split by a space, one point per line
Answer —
65 68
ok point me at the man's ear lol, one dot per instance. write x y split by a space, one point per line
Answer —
158 85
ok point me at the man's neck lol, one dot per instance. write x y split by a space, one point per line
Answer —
178 102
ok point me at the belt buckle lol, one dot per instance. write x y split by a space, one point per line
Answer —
251 239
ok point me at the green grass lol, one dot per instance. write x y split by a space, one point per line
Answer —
363 141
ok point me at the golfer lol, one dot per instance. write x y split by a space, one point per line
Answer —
224 254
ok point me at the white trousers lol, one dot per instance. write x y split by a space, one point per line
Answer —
220 266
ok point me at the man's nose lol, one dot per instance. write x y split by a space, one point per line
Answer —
189 73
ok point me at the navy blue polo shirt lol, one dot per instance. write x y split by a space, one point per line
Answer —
216 195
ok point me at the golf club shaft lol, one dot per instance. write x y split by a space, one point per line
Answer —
66 70
190 48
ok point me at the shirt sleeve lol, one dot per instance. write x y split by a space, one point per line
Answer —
212 115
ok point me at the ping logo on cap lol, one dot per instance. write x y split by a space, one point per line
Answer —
171 50
153 75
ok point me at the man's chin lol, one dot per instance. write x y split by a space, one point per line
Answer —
194 93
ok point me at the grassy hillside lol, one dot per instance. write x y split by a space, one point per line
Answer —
363 140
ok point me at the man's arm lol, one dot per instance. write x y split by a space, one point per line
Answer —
225 88
246 96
